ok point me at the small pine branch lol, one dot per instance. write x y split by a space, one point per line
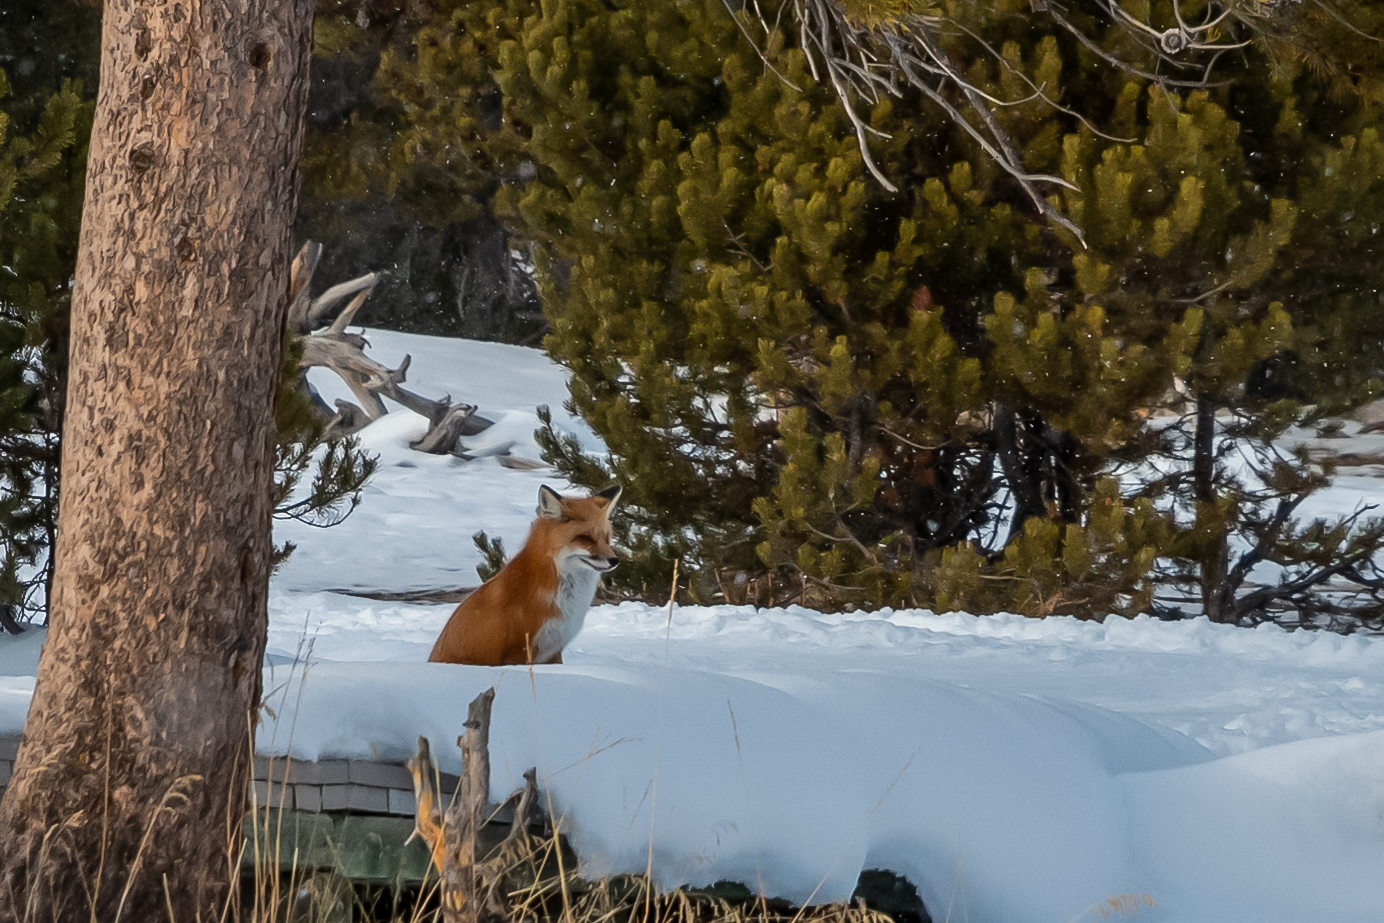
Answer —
564 453
493 555
340 467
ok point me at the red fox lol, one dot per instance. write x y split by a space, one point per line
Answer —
536 604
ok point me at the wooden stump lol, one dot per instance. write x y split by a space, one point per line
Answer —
472 885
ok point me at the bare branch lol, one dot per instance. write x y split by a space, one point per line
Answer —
333 296
1266 595
1266 539
762 56
343 320
300 281
1131 68
868 61
908 53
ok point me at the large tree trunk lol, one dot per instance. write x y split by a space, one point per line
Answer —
129 786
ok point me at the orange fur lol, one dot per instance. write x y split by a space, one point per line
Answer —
529 610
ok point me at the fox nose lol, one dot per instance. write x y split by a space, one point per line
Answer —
611 562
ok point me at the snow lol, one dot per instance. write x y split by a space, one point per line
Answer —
413 530
1013 769
1051 764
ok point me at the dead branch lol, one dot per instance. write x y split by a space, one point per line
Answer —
864 61
345 355
334 347
472 885
475 753
517 462
348 418
361 287
1267 538
442 435
427 815
304 265
528 813
1262 598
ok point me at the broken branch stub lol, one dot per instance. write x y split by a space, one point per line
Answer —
472 885
441 437
348 418
528 813
304 265
427 817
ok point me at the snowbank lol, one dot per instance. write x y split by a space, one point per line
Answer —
1014 769
1023 770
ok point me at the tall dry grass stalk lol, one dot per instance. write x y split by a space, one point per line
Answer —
51 889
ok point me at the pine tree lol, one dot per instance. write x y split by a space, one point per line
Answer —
1184 219
732 291
40 203
815 389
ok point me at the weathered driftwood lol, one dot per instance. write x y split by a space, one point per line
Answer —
517 462
443 432
472 885
348 418
334 347
301 273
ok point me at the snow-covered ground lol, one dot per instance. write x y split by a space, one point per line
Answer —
1014 769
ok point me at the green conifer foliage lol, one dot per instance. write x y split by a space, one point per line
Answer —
742 307
1103 564
339 466
41 174
815 389
1183 223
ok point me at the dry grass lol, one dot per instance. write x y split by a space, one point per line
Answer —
536 876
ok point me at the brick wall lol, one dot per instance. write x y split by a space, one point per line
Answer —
356 786
349 786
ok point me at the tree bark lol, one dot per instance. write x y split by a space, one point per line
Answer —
129 787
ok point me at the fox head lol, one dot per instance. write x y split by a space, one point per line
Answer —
579 527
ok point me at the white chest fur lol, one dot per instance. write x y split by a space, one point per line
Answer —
576 588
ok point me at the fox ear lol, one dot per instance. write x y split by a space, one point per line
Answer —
549 503
612 496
